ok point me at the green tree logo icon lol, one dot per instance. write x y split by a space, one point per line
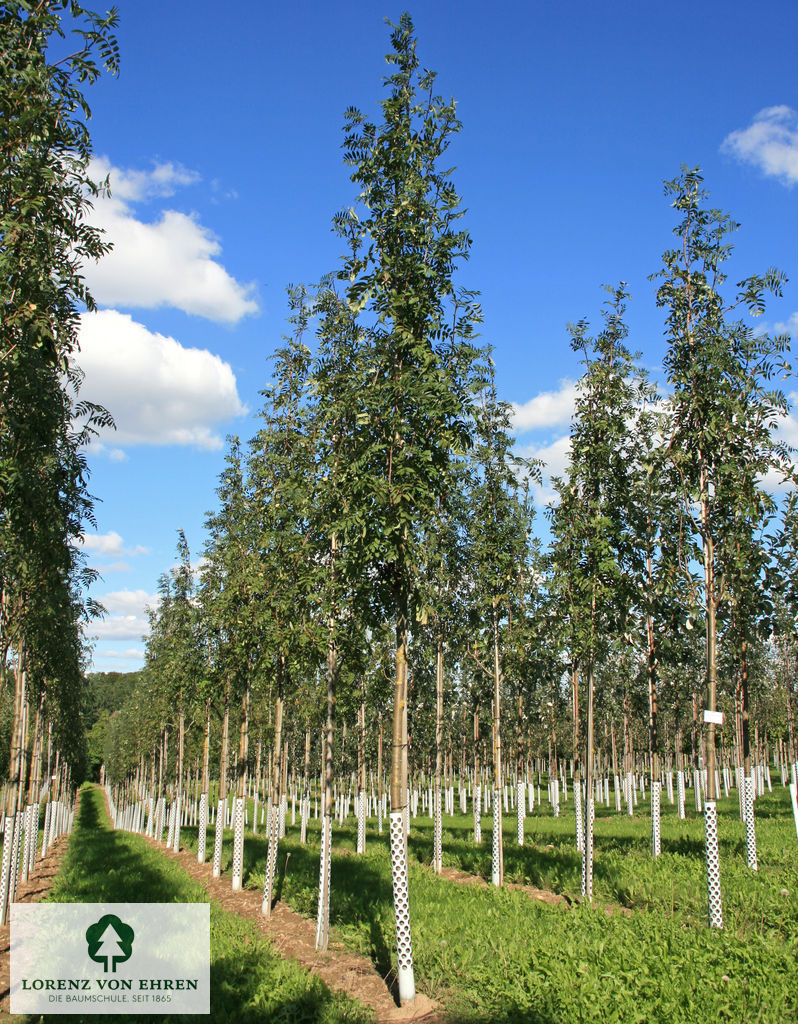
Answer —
110 942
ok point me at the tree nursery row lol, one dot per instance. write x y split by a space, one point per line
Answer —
378 614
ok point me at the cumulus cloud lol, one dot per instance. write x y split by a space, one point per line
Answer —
137 186
157 391
112 454
105 567
770 143
170 261
129 602
129 655
110 544
548 409
555 458
791 327
127 615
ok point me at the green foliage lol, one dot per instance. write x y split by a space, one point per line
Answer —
593 552
724 407
45 239
108 691
412 402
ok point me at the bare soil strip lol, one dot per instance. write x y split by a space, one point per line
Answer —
554 899
542 895
295 936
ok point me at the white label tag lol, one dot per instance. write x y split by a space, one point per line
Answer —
713 717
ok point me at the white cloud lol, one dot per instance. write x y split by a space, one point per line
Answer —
120 627
167 262
770 143
129 655
787 431
136 186
112 454
129 601
103 568
127 615
548 409
555 458
104 543
110 544
157 391
791 327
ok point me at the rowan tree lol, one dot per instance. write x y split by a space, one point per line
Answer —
417 339
723 414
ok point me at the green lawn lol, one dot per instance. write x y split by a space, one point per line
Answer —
496 956
250 982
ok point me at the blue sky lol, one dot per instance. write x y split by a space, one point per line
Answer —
222 138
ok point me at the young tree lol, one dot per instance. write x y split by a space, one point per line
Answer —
281 473
413 415
334 565
498 537
723 413
45 238
232 578
592 548
174 656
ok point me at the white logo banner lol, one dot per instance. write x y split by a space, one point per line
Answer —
110 957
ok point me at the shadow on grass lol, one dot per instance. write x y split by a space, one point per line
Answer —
249 980
102 866
361 894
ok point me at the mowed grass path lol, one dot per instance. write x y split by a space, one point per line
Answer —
249 980
496 956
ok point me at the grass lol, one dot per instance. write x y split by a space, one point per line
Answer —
491 955
250 982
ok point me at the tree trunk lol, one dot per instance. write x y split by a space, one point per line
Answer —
221 807
497 863
379 777
239 809
274 795
579 819
587 851
202 826
476 792
325 859
653 737
437 851
714 898
361 778
748 782
17 734
407 987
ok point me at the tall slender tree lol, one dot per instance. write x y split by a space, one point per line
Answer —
724 412
498 538
404 246
45 239
592 548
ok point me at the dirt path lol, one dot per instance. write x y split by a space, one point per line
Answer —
554 899
37 886
295 936
542 895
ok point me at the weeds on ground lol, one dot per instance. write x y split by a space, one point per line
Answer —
250 982
642 952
